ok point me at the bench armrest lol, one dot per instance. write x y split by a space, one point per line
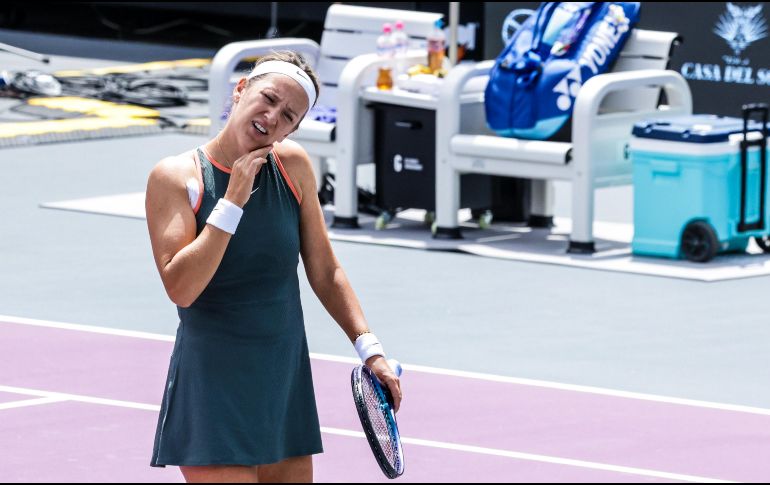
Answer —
230 55
596 89
348 103
586 119
450 94
598 139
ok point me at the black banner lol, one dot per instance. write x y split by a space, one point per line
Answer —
725 53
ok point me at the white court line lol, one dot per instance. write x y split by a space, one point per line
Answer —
86 328
533 457
49 396
425 369
30 402
61 396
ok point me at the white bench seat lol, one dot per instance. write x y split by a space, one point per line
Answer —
605 110
318 131
349 32
496 147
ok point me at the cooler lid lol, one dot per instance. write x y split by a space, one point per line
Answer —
693 129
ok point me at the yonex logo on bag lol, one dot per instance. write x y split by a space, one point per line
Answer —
535 80
568 89
612 27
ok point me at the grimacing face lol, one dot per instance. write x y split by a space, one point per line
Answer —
266 110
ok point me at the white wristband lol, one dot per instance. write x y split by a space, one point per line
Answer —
367 345
225 216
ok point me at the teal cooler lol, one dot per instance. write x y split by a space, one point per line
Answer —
699 185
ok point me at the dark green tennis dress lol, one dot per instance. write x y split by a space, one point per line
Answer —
239 388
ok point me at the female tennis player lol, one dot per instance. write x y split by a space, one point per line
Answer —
227 223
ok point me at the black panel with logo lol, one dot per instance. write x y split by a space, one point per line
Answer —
725 54
405 158
405 174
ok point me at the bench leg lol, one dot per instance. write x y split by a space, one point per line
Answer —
541 200
346 193
447 202
581 240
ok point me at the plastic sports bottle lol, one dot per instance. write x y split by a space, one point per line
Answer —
401 45
436 47
386 50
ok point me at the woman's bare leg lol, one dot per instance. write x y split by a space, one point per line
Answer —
298 469
220 474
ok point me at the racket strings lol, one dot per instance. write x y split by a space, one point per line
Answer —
372 401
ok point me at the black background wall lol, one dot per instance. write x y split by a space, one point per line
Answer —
723 72
196 24
722 76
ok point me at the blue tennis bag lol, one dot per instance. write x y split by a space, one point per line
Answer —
535 80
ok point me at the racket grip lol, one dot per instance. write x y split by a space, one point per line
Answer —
396 366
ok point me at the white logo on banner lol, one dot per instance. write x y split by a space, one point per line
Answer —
513 22
741 27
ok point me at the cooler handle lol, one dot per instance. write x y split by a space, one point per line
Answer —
748 110
661 167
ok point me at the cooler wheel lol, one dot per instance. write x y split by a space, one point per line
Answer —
699 242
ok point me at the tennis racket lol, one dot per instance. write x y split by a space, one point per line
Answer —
375 409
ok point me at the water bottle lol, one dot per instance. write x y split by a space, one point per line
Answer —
401 42
436 47
386 50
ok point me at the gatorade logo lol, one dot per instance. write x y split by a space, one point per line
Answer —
401 163
398 163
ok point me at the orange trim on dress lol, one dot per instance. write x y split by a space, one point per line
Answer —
215 163
199 176
286 176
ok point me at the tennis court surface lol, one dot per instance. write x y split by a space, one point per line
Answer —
79 404
558 373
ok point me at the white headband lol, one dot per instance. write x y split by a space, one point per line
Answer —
288 69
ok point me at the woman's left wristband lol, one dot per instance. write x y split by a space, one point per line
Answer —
225 216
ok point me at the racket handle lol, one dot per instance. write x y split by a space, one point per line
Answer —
396 366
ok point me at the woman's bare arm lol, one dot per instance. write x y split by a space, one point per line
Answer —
324 272
186 263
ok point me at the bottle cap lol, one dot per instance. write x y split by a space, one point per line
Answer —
399 25
387 28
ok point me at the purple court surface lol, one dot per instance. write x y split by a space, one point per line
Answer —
79 404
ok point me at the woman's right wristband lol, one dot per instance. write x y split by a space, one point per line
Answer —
367 345
225 216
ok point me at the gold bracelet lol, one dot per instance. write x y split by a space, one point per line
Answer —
361 333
